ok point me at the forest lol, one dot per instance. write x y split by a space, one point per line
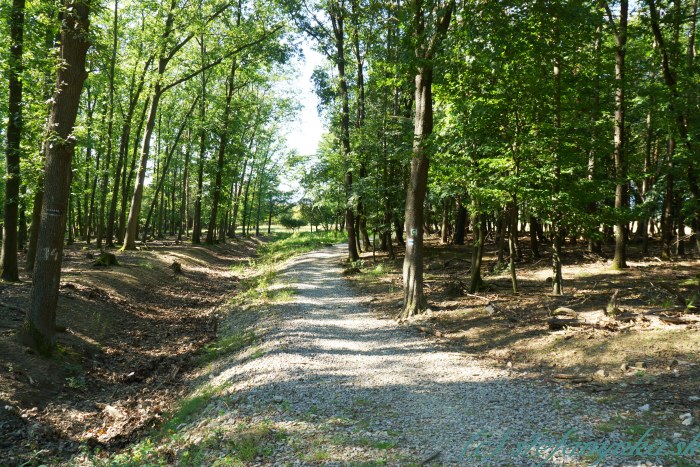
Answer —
533 162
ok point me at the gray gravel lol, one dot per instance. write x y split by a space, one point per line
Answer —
346 386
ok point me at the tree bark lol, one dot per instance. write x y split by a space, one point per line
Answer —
621 194
337 21
221 158
40 324
479 222
414 299
8 258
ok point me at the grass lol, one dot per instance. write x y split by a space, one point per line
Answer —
262 271
255 440
285 245
227 345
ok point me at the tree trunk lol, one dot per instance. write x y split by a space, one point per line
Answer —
513 233
8 258
534 244
479 223
128 178
40 324
414 300
34 229
444 226
621 194
667 216
460 223
337 20
104 183
136 199
557 233
223 139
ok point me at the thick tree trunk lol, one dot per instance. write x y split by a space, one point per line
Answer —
40 324
414 300
8 258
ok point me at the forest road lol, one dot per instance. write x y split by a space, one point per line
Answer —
346 386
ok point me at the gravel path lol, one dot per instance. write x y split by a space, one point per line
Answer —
341 386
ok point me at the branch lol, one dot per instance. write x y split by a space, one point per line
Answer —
220 59
190 36
611 20
666 67
442 25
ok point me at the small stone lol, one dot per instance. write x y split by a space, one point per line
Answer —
623 385
688 421
278 399
686 415
601 373
694 398
677 435
624 367
644 408
641 364
509 364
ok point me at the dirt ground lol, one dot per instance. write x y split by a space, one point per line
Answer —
127 344
635 357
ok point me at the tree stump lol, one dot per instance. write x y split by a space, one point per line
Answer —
106 259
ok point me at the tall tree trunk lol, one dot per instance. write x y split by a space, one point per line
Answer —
129 177
667 216
621 194
185 191
534 244
444 226
8 256
413 297
136 199
479 223
221 158
337 20
104 183
460 222
414 300
40 324
512 235
557 234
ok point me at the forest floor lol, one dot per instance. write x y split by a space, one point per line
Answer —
129 337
